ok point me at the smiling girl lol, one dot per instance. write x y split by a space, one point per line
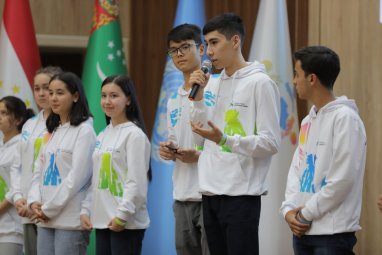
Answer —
63 169
120 173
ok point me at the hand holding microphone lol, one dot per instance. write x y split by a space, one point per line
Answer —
206 67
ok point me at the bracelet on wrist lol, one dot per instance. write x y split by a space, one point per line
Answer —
223 140
119 222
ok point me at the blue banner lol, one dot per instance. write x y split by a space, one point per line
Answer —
160 236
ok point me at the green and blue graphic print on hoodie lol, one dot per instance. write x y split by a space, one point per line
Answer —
326 174
246 107
119 184
62 172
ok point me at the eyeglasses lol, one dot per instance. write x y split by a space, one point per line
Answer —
182 49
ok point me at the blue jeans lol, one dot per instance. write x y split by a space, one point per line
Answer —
342 243
61 242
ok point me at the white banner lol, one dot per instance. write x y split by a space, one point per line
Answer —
271 46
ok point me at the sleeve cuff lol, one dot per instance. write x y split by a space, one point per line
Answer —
230 141
85 211
47 212
123 216
307 215
8 197
285 210
17 197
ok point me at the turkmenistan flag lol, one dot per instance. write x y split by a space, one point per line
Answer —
104 55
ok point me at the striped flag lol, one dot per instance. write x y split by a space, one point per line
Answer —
104 56
160 238
271 46
19 54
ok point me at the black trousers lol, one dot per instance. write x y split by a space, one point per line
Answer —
231 224
126 242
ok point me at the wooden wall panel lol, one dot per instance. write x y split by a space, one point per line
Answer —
69 17
352 29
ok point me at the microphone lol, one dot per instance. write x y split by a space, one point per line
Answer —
206 66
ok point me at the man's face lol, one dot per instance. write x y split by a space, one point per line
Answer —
186 55
219 49
301 82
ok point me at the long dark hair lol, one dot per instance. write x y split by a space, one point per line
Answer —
133 110
80 110
16 107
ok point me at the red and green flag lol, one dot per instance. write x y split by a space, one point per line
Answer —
104 55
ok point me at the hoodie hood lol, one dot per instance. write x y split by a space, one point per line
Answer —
251 68
339 102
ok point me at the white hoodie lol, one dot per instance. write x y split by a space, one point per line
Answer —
246 107
119 184
62 172
185 175
10 223
326 174
27 151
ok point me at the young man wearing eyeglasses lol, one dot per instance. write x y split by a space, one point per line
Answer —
241 131
186 50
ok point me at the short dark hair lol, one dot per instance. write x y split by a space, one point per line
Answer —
228 24
185 32
321 61
17 108
80 110
133 111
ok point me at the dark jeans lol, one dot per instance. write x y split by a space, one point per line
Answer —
126 242
231 224
336 244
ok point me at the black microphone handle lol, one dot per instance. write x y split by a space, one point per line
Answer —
195 86
194 91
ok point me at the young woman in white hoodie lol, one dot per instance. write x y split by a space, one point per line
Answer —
63 169
13 114
116 203
27 152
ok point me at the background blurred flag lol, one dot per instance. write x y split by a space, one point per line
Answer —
159 237
104 55
19 54
271 46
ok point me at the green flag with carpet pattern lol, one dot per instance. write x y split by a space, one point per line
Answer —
104 55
